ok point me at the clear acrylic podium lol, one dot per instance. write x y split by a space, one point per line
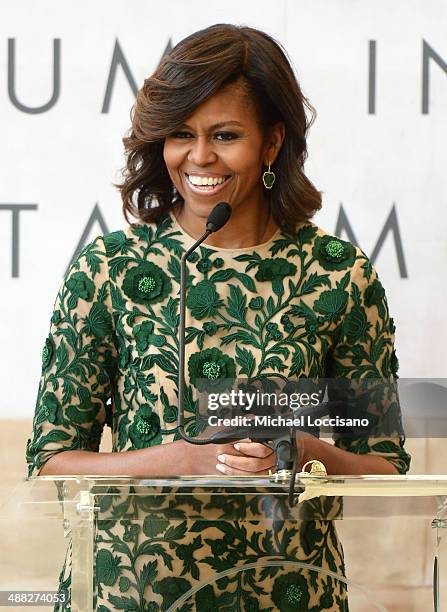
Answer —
82 507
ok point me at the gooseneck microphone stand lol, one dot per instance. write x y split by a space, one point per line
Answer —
216 220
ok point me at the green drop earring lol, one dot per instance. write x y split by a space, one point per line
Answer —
268 178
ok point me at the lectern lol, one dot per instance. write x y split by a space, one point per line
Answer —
87 508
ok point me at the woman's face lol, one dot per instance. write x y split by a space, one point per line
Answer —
220 152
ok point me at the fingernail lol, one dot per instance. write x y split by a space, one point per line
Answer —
221 458
220 467
237 447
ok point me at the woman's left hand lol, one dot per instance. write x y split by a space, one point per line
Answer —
254 458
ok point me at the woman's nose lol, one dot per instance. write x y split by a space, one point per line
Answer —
201 152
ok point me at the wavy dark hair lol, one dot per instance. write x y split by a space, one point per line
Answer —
195 69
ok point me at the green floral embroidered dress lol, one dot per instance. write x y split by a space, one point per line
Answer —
307 305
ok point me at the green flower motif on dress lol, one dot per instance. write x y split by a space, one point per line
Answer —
171 589
218 547
356 325
278 268
80 287
210 328
273 332
287 324
332 303
290 593
48 353
374 294
256 303
145 337
333 253
218 262
146 284
210 369
275 270
311 327
204 265
99 321
131 530
203 300
124 584
52 409
145 429
107 567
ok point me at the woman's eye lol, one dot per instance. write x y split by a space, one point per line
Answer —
226 136
222 136
181 135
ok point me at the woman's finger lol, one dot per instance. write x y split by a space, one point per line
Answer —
253 449
246 464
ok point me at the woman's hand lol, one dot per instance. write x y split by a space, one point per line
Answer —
242 458
252 458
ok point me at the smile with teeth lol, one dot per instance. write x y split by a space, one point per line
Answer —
209 182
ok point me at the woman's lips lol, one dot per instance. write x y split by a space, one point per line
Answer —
205 190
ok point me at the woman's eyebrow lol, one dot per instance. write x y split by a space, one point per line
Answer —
217 126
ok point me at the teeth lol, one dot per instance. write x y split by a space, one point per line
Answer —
205 180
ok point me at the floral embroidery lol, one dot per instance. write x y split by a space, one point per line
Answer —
145 429
271 269
210 369
107 567
356 325
332 303
203 300
81 287
98 322
257 303
48 353
290 593
204 265
210 328
374 294
333 253
145 337
52 408
146 284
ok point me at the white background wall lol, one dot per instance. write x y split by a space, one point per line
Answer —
64 160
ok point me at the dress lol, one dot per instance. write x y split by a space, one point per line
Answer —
303 305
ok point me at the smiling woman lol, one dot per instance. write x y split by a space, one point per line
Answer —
224 103
270 295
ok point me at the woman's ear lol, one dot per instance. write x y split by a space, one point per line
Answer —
274 142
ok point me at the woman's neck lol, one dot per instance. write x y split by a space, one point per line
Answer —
245 228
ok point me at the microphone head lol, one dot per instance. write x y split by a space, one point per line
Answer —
218 217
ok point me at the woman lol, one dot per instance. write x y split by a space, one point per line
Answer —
222 118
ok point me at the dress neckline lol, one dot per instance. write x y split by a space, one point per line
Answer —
189 240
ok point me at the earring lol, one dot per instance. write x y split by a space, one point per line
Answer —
268 178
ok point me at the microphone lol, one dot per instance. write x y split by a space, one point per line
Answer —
217 218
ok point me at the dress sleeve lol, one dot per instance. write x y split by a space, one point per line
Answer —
78 363
363 362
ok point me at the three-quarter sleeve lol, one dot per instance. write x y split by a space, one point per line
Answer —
364 366
78 362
